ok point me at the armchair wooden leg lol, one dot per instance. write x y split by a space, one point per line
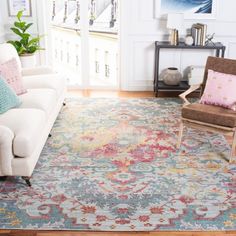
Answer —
181 129
187 92
233 147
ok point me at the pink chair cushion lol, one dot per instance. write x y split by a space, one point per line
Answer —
220 90
10 71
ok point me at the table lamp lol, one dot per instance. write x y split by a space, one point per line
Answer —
174 23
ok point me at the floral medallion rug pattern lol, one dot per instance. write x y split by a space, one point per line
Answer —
112 165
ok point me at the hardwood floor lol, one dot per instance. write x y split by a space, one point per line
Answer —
113 94
67 233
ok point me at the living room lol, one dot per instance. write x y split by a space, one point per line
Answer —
117 117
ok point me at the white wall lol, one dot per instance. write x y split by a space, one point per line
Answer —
140 29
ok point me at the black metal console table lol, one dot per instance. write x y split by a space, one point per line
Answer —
159 85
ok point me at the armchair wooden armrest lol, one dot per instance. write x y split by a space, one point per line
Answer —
187 92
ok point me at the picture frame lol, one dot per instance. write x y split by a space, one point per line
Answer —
14 6
163 7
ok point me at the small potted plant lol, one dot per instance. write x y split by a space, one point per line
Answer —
26 45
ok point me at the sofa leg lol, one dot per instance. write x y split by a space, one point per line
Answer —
49 135
3 178
27 180
64 104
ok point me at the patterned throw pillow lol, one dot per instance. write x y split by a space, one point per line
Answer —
8 98
11 73
220 90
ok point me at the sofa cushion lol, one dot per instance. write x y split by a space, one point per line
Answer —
210 114
8 98
44 99
27 125
52 81
11 73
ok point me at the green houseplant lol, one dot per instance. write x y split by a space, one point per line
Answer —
26 45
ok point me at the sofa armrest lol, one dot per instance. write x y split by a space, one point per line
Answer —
6 154
37 71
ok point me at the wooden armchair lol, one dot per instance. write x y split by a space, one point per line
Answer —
208 117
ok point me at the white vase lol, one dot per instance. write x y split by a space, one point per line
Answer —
28 60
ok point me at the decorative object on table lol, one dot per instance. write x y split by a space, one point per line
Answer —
192 9
209 39
189 40
199 34
26 45
174 23
14 6
171 76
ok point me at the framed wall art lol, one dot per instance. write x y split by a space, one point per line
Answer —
17 5
192 9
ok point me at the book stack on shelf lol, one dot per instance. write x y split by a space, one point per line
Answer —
199 34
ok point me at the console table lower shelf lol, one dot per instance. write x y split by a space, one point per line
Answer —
179 88
182 87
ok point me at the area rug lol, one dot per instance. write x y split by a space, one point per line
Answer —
112 165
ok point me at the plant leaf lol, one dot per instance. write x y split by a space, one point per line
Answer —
32 49
19 15
20 25
16 44
26 44
21 51
34 41
24 41
16 31
27 26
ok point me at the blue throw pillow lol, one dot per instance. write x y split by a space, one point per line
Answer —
8 98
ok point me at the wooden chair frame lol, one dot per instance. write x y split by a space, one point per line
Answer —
221 65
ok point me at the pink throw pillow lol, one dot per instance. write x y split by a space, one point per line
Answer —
10 71
220 90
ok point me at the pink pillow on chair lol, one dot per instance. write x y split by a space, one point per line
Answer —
10 71
220 90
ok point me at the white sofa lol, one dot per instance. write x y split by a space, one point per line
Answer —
24 130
